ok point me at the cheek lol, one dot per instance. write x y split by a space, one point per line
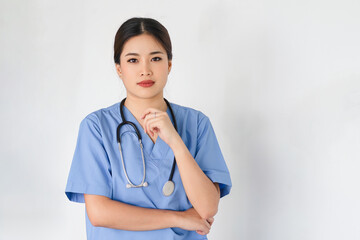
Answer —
127 76
129 73
128 81
163 69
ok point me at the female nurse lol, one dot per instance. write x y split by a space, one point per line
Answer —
108 177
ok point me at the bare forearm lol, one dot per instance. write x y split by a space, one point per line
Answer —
114 214
201 191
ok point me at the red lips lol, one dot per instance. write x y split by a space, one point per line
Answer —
146 83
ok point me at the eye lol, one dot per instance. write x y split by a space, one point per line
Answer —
130 60
157 59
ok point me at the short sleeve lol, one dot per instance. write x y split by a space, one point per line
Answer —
90 170
209 156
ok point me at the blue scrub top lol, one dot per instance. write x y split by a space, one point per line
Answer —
97 169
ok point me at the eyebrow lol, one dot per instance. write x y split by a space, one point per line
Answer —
152 53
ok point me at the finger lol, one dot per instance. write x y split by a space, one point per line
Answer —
146 123
206 231
150 110
210 220
152 124
147 118
155 131
200 232
145 114
204 227
207 225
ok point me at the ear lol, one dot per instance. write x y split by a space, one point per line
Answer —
118 69
170 65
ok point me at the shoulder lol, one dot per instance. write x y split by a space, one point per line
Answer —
189 112
102 115
189 115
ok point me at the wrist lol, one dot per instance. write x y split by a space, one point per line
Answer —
175 218
176 142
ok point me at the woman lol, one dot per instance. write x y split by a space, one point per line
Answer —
170 188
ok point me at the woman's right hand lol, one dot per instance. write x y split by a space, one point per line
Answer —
192 221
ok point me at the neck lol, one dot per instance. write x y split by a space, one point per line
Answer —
137 106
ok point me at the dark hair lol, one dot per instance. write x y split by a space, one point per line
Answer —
137 26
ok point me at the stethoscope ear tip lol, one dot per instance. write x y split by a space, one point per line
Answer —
145 184
128 186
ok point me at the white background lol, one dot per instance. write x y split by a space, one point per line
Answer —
280 81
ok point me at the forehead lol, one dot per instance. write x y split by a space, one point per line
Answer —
142 44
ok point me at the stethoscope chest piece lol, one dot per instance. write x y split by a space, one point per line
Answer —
168 188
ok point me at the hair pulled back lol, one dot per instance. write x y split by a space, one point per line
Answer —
137 26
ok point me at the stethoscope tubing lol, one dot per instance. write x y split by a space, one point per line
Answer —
124 122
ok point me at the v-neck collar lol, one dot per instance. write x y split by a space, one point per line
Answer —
157 150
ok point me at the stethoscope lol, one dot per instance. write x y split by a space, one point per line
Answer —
169 186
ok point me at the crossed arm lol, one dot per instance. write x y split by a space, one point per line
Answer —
105 212
203 194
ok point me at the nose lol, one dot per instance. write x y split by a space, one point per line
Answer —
145 70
